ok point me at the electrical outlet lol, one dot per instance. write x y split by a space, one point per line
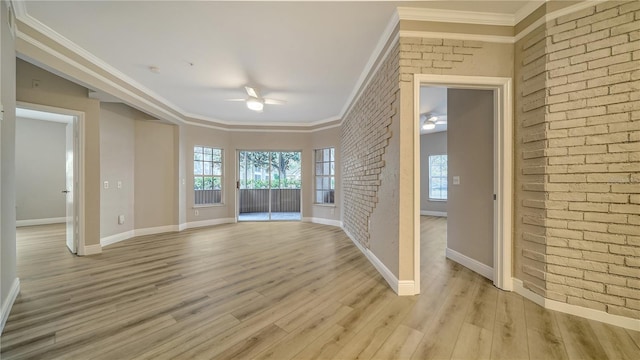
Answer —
120 219
119 184
197 212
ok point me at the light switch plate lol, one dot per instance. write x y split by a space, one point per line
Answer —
456 180
106 184
119 184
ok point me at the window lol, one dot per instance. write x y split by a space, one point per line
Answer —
438 177
325 175
207 175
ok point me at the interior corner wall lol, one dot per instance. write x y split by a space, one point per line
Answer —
431 144
117 154
155 179
8 275
40 169
577 165
370 146
58 92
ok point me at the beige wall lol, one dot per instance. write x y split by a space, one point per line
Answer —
470 150
40 169
58 92
431 144
7 152
155 175
117 154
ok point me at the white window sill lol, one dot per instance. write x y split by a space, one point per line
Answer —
324 205
207 206
438 200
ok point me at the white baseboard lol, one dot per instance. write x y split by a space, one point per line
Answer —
155 230
47 221
402 288
90 250
433 213
211 222
8 303
470 263
617 320
322 221
108 240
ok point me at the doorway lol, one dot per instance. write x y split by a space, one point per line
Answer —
269 185
501 184
60 201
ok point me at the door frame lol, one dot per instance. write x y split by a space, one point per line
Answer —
503 167
237 182
79 172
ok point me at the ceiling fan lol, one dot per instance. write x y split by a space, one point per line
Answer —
255 102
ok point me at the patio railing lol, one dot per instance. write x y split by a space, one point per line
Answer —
257 200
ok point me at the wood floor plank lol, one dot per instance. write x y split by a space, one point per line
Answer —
282 291
579 338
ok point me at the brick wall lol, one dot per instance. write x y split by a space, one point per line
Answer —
578 159
364 140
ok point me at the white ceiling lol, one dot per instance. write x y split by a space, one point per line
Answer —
310 54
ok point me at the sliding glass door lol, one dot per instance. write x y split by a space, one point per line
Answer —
269 185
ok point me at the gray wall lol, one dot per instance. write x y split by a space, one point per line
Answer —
7 159
470 153
430 144
40 169
117 150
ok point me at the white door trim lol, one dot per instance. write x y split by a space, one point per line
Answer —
503 172
79 197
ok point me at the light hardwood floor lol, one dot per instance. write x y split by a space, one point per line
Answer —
275 291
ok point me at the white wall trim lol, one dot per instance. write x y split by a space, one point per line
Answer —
14 291
455 16
402 288
89 250
472 264
155 230
33 222
458 36
556 14
112 239
597 315
322 221
433 213
503 176
211 222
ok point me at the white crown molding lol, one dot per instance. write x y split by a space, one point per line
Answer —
90 57
458 36
364 78
527 10
455 16
556 14
28 39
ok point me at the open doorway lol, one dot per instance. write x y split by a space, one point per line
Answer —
269 185
48 170
478 173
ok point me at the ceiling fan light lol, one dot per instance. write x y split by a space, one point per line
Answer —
255 104
441 121
428 126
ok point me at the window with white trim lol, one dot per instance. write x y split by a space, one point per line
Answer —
438 177
207 175
324 175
